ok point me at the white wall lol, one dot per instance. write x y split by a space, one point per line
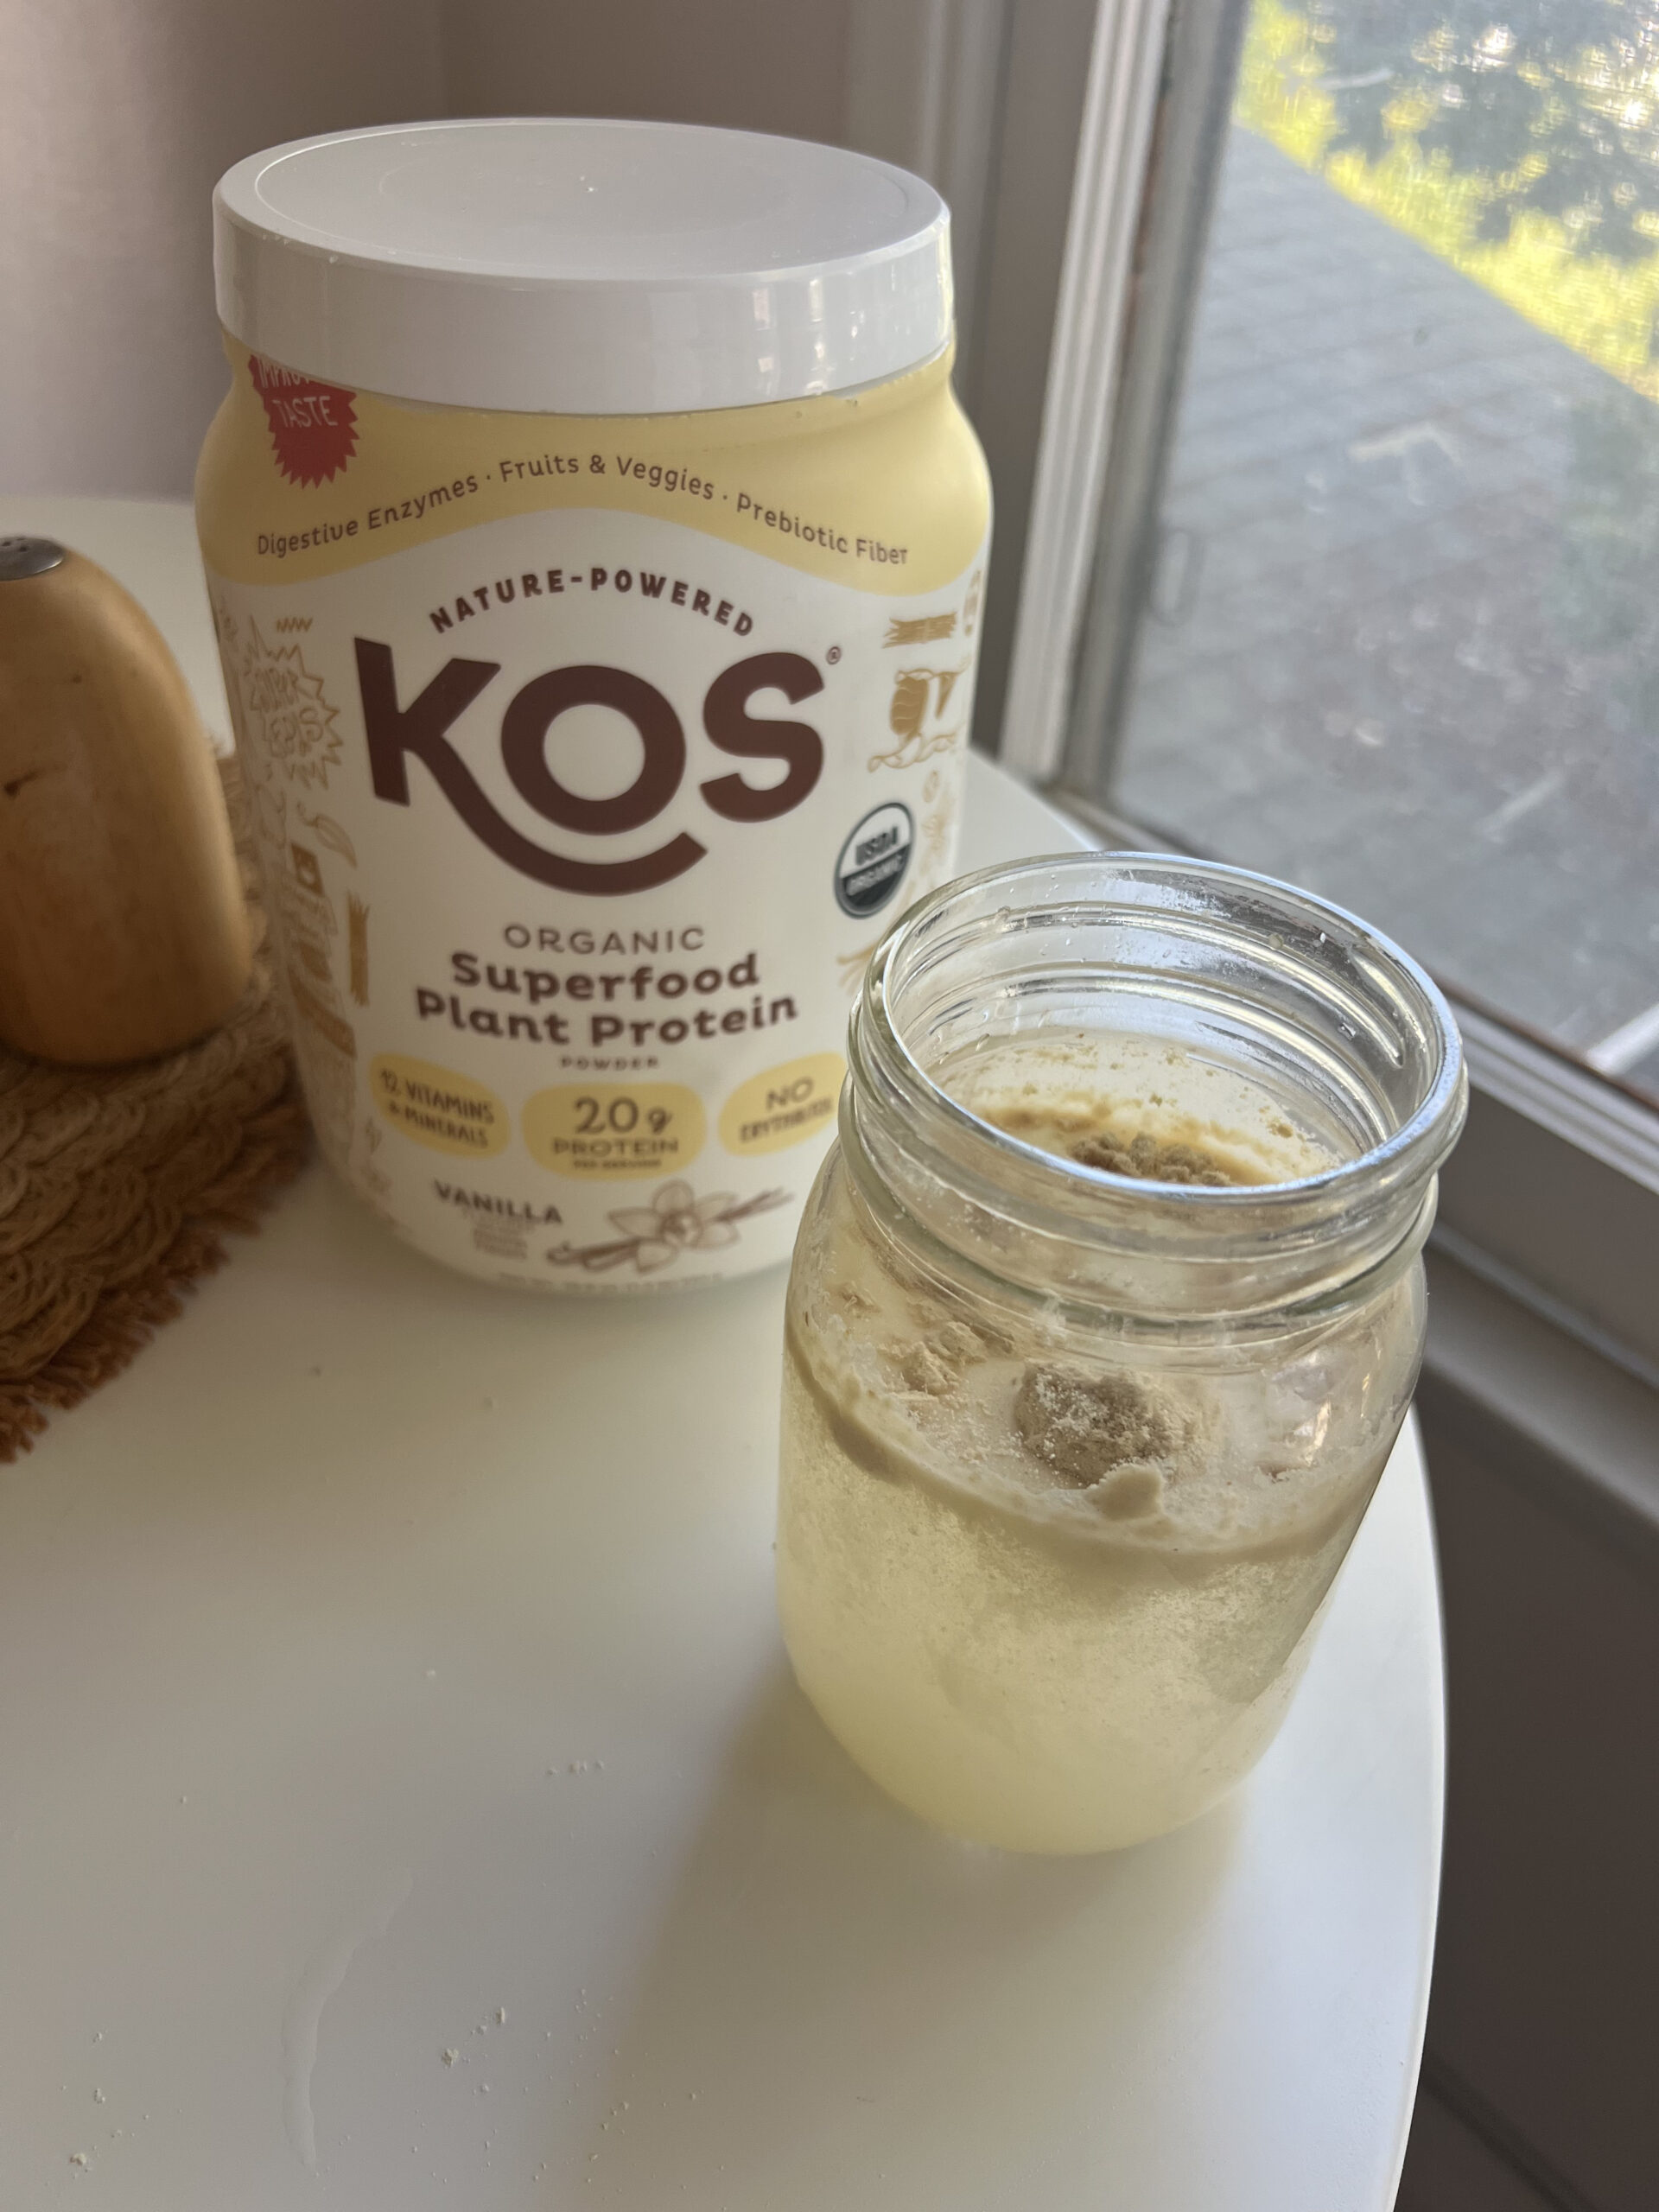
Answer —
749 64
116 119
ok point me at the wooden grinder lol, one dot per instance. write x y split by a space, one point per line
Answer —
123 929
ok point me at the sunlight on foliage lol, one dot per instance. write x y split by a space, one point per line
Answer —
1603 306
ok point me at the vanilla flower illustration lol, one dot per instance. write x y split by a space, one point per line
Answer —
676 1221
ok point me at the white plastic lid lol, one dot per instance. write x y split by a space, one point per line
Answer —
571 267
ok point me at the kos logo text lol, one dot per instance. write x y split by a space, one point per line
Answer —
421 729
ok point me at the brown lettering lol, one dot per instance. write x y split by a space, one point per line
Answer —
733 730
421 728
537 707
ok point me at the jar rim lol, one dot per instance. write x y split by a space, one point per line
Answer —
1371 1197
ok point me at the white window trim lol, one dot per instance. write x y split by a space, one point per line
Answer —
924 87
1125 71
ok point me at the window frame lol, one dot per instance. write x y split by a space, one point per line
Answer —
1552 1199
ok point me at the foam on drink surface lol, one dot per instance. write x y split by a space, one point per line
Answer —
1056 1595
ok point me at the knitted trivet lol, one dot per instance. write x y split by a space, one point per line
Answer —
115 1185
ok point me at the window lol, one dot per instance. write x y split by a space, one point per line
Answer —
1382 615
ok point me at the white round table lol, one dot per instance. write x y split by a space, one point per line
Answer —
405 1801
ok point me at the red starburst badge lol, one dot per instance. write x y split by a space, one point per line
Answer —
313 426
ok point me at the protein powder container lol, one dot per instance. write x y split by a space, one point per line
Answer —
596 549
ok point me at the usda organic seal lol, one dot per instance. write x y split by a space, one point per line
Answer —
874 860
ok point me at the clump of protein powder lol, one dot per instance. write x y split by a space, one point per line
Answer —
1103 1433
932 1366
1149 1160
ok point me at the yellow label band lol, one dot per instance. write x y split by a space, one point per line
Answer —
613 1131
884 490
439 1108
783 1107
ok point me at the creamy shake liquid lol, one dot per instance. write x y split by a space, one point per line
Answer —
1059 1599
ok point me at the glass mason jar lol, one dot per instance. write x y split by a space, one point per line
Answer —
1105 1314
